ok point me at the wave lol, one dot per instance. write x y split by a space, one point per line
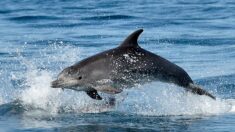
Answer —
109 17
33 18
4 11
153 99
200 42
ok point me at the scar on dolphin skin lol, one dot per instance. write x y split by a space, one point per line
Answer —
123 67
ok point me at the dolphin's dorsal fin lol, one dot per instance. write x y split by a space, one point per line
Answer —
131 40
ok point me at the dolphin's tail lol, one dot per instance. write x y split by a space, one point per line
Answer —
198 90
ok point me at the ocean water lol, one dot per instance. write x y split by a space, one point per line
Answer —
40 38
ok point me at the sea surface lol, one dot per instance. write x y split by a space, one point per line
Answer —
40 38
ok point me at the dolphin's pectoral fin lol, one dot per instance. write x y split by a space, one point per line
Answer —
197 90
93 94
108 89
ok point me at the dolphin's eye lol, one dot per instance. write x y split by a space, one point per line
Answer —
79 78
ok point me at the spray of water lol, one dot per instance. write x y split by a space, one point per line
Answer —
155 98
167 99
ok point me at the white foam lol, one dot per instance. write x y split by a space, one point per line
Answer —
231 102
38 93
150 99
166 99
1 100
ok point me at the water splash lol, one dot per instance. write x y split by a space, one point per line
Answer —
150 99
38 94
155 98
232 104
1 100
167 99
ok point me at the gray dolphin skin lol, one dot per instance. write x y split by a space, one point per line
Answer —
123 67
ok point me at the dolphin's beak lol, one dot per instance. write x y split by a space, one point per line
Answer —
56 84
60 83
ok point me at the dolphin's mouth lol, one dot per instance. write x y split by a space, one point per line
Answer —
57 84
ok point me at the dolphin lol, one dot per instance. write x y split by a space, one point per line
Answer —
123 67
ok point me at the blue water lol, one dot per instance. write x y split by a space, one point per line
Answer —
40 38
